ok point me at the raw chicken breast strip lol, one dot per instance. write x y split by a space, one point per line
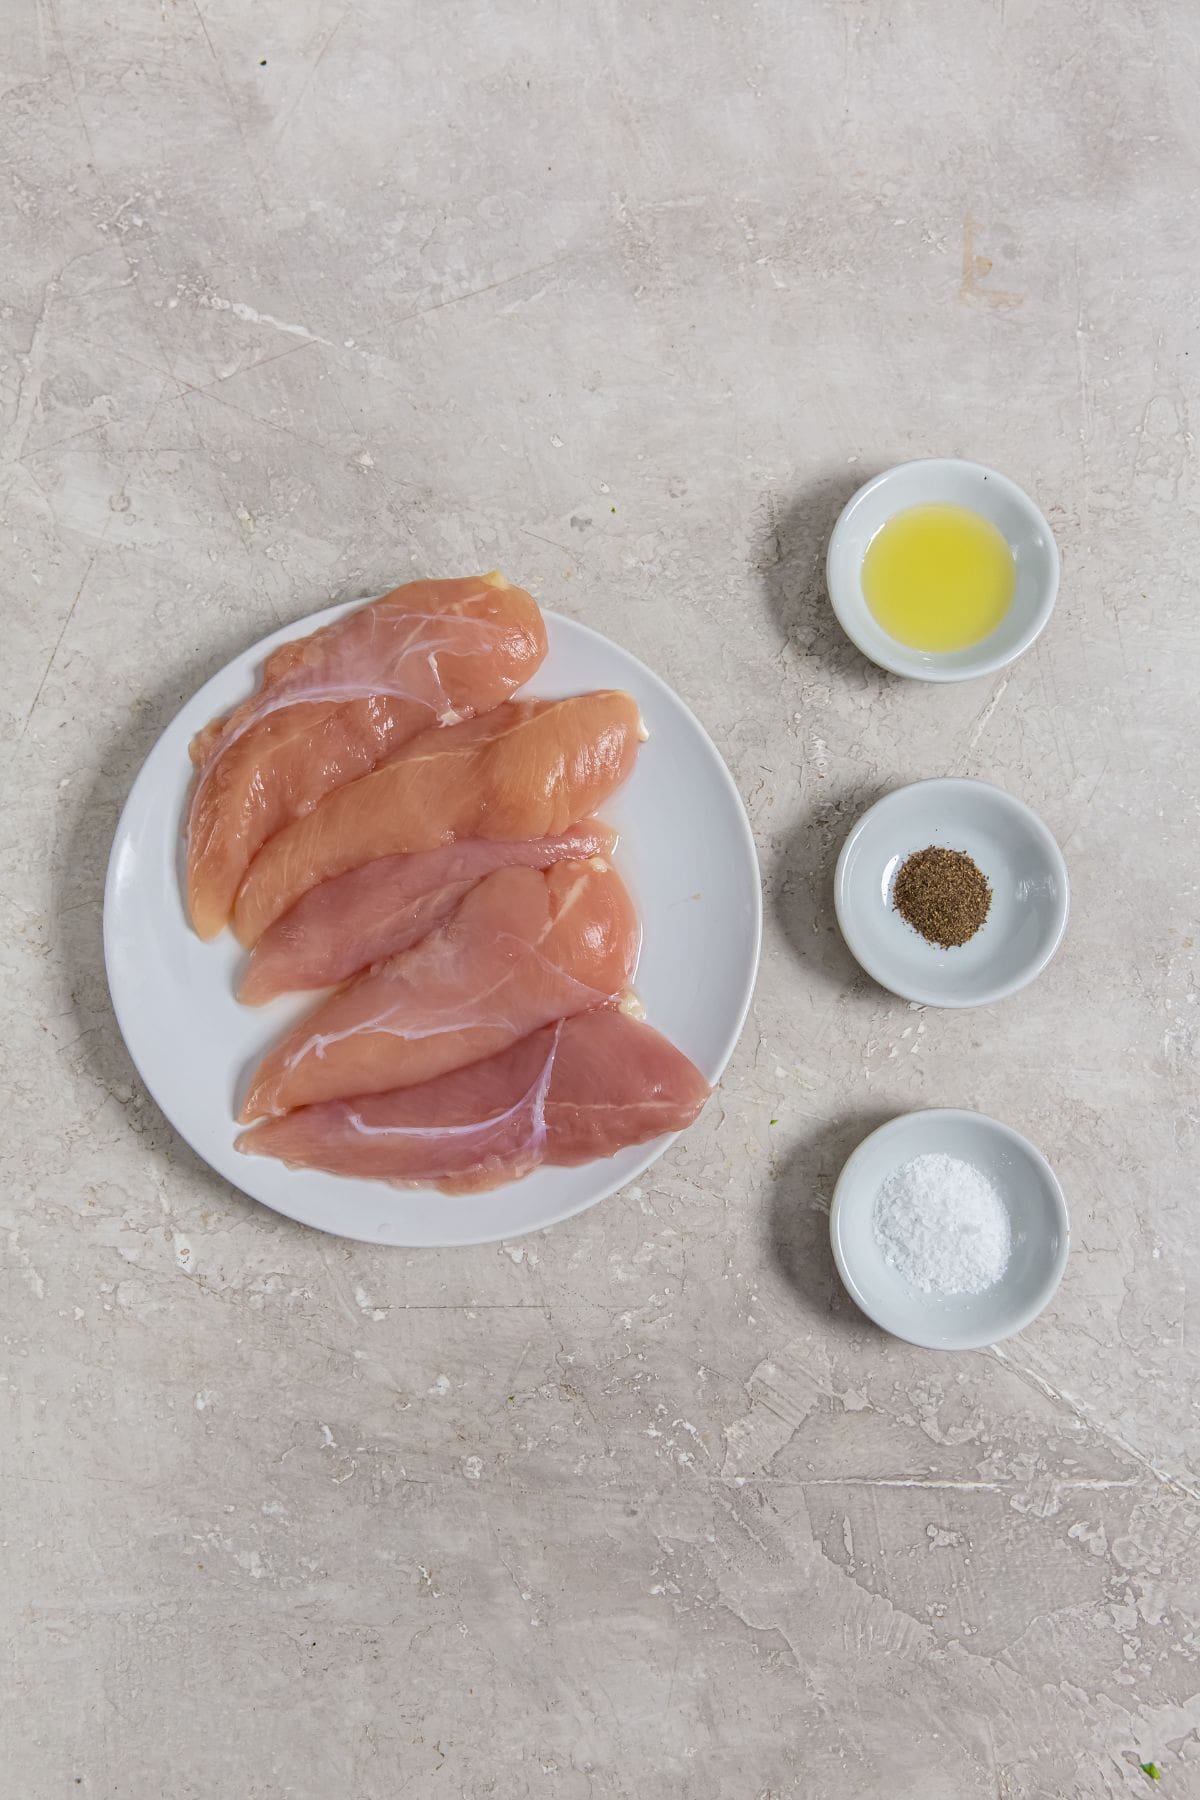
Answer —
570 1093
329 706
357 919
526 947
529 768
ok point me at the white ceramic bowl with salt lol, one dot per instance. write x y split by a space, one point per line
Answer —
1037 1214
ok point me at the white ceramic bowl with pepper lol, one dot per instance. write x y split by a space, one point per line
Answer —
1022 871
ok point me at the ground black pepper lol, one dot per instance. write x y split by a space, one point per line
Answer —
943 895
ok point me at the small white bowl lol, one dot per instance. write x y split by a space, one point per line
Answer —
948 481
1037 1215
1024 868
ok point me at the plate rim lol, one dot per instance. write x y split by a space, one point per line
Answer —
657 1147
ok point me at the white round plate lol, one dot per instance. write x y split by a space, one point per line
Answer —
1037 1215
950 481
686 852
1024 867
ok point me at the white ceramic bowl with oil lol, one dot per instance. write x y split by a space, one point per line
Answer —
1024 868
1037 1216
944 481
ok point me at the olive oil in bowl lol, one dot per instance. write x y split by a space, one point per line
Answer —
938 577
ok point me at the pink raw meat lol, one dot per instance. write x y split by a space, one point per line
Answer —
331 705
570 1093
525 947
386 906
528 768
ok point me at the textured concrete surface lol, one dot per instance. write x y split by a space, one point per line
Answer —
299 298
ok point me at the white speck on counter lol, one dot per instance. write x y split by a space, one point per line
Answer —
942 1225
365 1304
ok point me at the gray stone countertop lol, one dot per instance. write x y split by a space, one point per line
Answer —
301 300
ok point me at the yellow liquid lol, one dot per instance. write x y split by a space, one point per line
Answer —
938 577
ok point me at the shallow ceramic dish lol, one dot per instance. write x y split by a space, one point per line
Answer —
686 852
945 480
1037 1215
1023 865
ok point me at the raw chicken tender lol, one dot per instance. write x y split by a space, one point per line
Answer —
356 919
526 947
529 768
570 1093
329 706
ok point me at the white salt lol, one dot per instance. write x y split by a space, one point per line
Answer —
943 1226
